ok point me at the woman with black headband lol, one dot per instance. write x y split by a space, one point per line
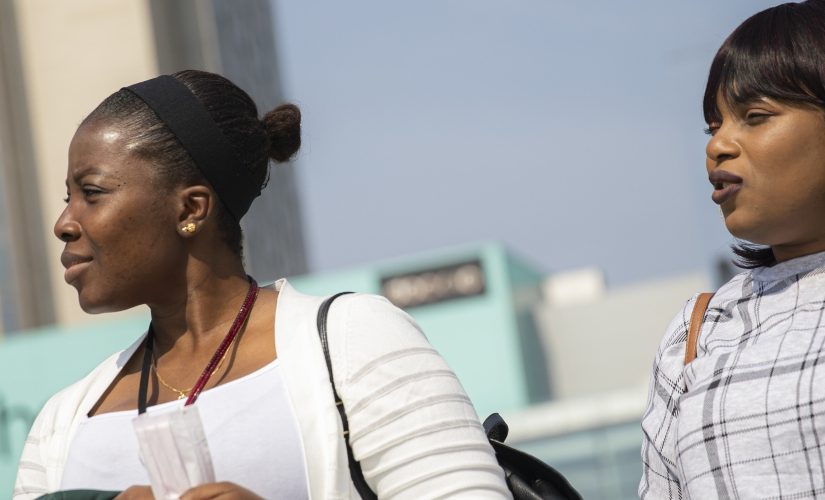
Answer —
737 396
159 176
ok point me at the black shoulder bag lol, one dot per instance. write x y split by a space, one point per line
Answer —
527 477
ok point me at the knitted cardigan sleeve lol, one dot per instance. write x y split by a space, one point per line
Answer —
33 470
412 426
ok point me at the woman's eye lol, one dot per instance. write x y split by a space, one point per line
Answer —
90 192
756 117
66 199
711 129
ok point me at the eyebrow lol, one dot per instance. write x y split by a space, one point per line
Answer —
88 170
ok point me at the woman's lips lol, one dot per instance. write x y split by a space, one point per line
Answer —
73 272
74 264
722 195
725 185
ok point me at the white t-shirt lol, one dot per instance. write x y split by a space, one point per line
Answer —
249 425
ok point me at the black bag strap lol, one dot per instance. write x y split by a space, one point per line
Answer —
354 467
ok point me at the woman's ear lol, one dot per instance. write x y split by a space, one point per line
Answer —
196 205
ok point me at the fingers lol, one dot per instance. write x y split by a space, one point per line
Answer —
219 491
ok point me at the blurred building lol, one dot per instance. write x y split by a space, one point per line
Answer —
60 59
608 337
600 343
594 441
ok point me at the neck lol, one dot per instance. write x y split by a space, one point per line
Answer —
201 309
787 252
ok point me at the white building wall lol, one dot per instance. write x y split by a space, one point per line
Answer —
608 342
73 55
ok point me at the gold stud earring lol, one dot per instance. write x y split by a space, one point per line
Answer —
189 228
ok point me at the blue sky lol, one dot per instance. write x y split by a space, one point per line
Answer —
572 131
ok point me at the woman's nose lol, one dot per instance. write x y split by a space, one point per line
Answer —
66 228
721 146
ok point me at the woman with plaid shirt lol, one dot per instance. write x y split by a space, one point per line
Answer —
746 418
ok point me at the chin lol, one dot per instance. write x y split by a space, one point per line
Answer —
98 305
754 237
95 308
746 230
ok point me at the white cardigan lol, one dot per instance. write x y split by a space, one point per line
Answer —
412 427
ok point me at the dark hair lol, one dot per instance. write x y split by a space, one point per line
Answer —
777 53
254 141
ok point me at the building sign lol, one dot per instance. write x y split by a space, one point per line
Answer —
430 286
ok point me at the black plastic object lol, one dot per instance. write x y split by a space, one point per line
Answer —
527 477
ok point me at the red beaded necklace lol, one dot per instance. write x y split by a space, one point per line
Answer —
240 319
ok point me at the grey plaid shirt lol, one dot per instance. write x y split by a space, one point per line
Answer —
746 419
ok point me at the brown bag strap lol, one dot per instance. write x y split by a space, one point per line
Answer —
695 325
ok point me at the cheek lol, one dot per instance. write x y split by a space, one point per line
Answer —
136 250
148 245
794 156
787 174
796 180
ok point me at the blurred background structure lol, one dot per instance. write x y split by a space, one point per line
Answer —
527 180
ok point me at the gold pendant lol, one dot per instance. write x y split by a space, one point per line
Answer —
182 396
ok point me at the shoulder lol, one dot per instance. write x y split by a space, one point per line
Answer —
373 318
367 309
670 356
366 331
354 315
359 325
735 287
677 331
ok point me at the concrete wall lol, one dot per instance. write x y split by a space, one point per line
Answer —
73 55
609 343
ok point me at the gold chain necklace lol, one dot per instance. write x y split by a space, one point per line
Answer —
182 393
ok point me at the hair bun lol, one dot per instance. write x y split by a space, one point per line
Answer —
283 127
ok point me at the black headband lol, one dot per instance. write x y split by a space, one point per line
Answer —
200 136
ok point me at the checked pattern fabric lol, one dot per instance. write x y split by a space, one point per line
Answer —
745 419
